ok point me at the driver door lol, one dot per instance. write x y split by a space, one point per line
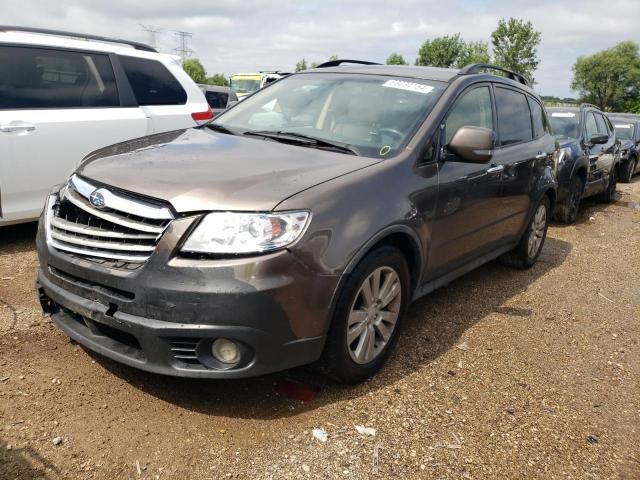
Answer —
469 194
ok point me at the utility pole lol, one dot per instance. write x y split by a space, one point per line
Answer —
183 50
152 31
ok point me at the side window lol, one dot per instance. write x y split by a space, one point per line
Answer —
473 109
538 117
217 99
591 127
46 78
602 125
514 117
152 83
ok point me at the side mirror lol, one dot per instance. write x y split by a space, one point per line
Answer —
472 144
598 139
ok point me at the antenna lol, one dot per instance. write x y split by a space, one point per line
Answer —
152 31
183 50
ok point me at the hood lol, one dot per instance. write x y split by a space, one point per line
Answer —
564 141
199 169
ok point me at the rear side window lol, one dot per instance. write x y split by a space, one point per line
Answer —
152 82
514 119
472 110
540 125
45 78
217 99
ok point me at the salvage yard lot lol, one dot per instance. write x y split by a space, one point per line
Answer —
509 374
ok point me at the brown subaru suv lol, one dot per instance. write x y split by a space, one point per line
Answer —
298 226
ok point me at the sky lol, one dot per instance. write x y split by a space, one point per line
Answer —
230 36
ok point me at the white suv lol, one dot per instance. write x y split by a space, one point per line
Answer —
64 95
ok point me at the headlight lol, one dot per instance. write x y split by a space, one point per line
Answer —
238 233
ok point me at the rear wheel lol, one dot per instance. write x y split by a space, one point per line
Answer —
629 168
609 195
367 317
568 213
526 253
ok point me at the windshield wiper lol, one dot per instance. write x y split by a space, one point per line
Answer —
220 128
303 140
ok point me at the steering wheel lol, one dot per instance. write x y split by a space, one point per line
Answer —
392 131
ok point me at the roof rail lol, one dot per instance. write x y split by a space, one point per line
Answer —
337 63
478 67
60 33
589 105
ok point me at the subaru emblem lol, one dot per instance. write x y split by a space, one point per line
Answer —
96 199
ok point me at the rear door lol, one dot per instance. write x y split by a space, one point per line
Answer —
56 106
161 96
524 147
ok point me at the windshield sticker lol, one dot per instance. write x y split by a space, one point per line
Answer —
384 150
409 86
563 114
627 125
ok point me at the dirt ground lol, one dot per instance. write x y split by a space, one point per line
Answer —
502 374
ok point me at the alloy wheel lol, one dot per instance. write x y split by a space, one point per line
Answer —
538 227
373 315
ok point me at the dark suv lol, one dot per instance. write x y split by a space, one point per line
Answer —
589 160
627 129
299 226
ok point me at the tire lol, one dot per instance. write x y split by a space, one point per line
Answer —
627 172
568 213
524 256
609 195
351 363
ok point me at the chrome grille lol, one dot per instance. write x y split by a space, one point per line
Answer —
122 228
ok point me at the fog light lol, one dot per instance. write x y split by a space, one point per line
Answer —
225 351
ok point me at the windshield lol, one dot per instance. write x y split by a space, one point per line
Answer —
565 123
245 85
374 115
624 131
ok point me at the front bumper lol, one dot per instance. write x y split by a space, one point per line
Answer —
164 316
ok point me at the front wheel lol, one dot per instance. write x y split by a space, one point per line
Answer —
568 213
370 307
609 195
526 253
627 173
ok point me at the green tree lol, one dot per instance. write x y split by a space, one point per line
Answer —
441 51
473 52
217 79
333 57
396 59
195 70
515 44
610 78
301 65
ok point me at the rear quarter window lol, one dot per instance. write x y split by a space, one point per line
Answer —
152 83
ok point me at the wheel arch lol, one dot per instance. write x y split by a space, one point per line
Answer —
405 239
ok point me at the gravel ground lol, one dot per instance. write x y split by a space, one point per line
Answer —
502 374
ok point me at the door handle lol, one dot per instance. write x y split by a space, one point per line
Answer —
24 127
496 169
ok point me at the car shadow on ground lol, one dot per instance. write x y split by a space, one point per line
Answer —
18 238
23 463
433 326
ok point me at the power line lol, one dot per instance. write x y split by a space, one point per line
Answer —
183 50
152 31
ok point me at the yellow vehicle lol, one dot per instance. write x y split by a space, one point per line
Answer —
246 83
